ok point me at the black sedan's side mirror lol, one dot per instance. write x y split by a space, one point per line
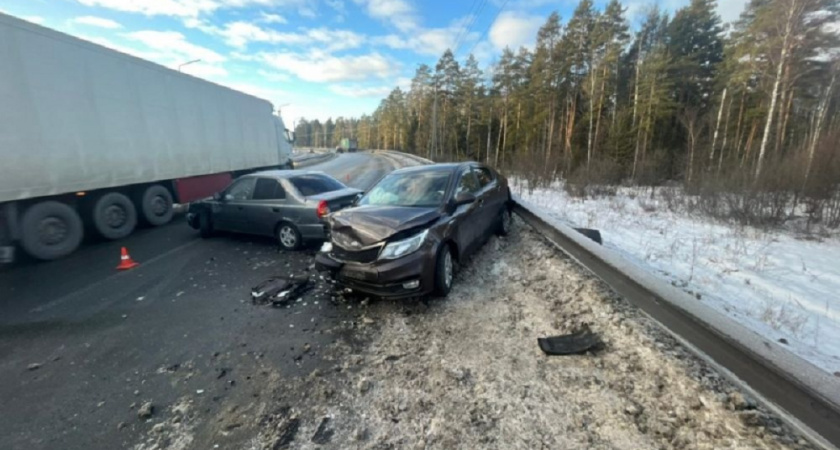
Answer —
463 198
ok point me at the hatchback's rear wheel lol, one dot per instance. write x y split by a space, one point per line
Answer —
444 271
288 237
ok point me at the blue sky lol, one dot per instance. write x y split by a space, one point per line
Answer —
311 58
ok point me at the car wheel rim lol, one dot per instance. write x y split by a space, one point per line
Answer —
115 216
159 206
447 269
287 237
52 231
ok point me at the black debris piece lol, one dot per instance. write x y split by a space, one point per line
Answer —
286 433
595 235
280 290
570 344
324 432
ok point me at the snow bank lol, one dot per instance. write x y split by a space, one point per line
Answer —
784 287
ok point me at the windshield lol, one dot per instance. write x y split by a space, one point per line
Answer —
315 184
409 189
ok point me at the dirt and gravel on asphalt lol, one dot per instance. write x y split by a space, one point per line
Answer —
466 372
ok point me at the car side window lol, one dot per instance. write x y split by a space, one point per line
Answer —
467 183
241 189
485 176
268 189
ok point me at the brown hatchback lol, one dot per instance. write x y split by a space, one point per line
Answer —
405 234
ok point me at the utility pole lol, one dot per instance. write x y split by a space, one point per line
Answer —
434 126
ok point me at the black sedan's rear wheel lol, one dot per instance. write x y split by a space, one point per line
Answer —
288 237
444 271
505 222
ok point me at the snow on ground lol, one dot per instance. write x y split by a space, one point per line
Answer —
466 372
783 286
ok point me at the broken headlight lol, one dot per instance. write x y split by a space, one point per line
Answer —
398 249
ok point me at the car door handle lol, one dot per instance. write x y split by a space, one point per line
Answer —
276 209
240 208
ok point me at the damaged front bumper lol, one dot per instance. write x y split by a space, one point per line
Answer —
409 276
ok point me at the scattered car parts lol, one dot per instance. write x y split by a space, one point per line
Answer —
580 341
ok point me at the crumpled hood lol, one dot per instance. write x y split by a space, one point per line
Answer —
368 225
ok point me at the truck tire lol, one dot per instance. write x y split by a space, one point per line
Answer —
50 230
155 205
113 215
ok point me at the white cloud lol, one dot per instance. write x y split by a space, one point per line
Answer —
432 42
404 83
239 34
399 13
337 5
172 49
730 10
318 66
100 22
276 96
175 43
308 11
34 19
181 8
357 91
278 77
272 18
142 54
189 8
512 29
208 71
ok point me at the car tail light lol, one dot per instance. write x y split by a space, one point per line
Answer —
323 209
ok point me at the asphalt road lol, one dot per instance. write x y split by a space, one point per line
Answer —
180 325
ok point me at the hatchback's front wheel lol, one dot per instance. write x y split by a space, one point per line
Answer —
444 271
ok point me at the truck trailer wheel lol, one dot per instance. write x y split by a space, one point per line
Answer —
51 230
113 215
155 205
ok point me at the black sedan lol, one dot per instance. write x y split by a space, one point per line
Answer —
406 234
290 205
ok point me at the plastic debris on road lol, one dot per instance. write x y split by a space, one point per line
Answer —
569 344
280 290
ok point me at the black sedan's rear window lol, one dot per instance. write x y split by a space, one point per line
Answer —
314 184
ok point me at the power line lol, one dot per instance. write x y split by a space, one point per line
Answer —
462 30
466 31
501 8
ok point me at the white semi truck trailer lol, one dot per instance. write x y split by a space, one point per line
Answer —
96 141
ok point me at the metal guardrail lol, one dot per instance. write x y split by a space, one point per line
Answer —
802 395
